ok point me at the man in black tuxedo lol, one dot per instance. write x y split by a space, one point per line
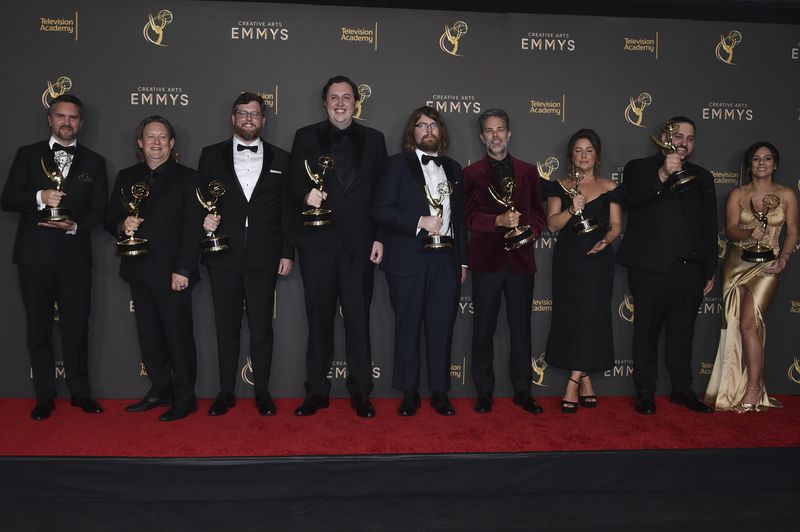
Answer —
423 281
54 258
670 249
255 217
161 280
337 260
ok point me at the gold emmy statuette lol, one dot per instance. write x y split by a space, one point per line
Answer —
437 240
758 252
682 179
55 214
583 224
213 242
317 217
518 236
132 246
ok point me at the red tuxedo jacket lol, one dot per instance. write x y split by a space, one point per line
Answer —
486 251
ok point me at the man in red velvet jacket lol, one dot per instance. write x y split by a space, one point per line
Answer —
496 271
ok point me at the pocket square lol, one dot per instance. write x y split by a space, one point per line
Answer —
271 171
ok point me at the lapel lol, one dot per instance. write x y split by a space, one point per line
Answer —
265 167
358 139
415 168
227 158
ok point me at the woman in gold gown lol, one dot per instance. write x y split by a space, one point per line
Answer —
748 287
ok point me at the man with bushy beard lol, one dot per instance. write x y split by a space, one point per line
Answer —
255 216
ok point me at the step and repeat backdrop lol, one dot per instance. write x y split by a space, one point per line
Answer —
553 74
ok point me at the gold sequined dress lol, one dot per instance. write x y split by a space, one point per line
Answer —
728 382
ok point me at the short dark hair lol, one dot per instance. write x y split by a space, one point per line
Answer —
750 153
593 138
685 120
149 120
67 98
247 97
494 112
409 144
340 79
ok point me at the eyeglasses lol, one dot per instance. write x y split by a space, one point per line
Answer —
250 114
423 125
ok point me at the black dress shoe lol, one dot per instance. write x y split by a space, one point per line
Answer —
483 405
266 406
42 410
87 404
363 407
177 412
311 404
410 405
645 404
528 403
148 403
690 401
441 403
221 404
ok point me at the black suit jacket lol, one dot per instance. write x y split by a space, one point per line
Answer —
651 240
86 186
400 200
268 213
353 229
173 225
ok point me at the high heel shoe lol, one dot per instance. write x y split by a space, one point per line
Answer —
587 401
570 407
744 408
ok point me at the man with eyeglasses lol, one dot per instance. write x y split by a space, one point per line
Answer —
337 259
419 204
254 213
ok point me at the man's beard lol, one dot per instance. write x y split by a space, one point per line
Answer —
247 134
429 144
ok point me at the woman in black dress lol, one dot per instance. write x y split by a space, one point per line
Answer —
583 272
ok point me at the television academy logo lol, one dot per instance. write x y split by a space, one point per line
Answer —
68 26
634 112
361 36
547 168
647 45
626 309
62 85
271 102
725 46
725 177
153 31
142 370
556 108
364 92
458 370
451 36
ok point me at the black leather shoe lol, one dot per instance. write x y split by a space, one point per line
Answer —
690 401
177 412
645 404
528 403
148 403
410 405
311 404
441 403
221 404
483 405
266 406
363 406
87 404
43 410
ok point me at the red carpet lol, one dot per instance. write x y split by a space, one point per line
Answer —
337 430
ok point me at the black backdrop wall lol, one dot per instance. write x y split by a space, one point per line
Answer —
553 73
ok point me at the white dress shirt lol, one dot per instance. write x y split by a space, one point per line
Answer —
434 176
247 165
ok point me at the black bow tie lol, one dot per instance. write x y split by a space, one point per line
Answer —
435 158
68 149
502 168
242 147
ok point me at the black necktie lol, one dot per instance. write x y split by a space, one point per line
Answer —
502 168
59 147
242 147
435 158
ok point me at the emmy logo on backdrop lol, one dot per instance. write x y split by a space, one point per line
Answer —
518 236
547 168
153 30
364 92
626 308
725 46
54 90
213 242
317 216
539 365
794 371
682 179
448 42
756 251
437 240
132 246
583 224
634 112
61 160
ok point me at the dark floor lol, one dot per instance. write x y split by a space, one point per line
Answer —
751 509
